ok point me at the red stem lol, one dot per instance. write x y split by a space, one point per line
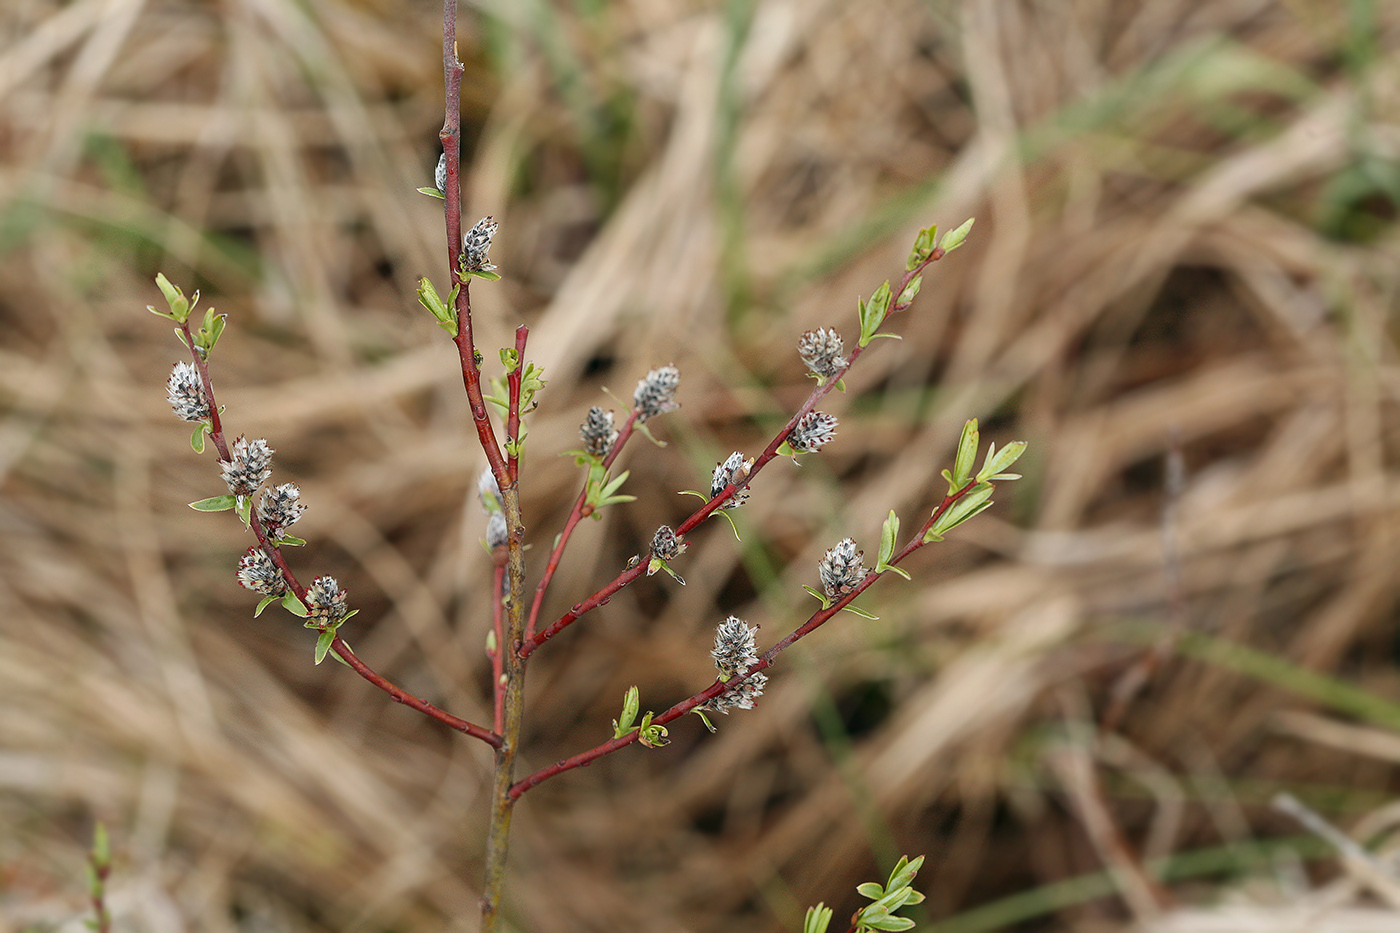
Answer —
451 136
820 617
274 553
576 515
407 699
513 380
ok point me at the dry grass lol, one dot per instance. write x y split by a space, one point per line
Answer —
1185 242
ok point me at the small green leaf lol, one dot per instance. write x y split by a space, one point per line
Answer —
817 920
892 924
871 889
954 238
889 537
904 872
872 313
484 274
856 610
179 304
923 246
294 605
323 644
705 719
510 359
911 291
652 736
826 602
659 564
291 540
631 705
215 504
432 193
998 460
966 456
965 508
263 604
197 438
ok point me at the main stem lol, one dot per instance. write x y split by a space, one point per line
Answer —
511 690
513 672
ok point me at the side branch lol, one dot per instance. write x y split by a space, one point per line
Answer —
818 618
274 553
576 515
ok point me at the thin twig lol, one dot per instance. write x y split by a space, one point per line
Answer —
513 381
274 553
579 512
765 661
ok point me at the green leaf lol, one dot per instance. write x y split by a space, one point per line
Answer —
659 564
825 600
323 644
892 923
872 313
968 443
263 604
889 537
905 871
923 246
817 920
705 719
294 605
998 460
969 505
432 193
631 704
215 504
197 438
179 304
911 291
510 359
954 238
484 274
652 736
891 568
856 610
291 540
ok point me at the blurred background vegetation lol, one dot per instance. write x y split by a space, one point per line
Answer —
1180 290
